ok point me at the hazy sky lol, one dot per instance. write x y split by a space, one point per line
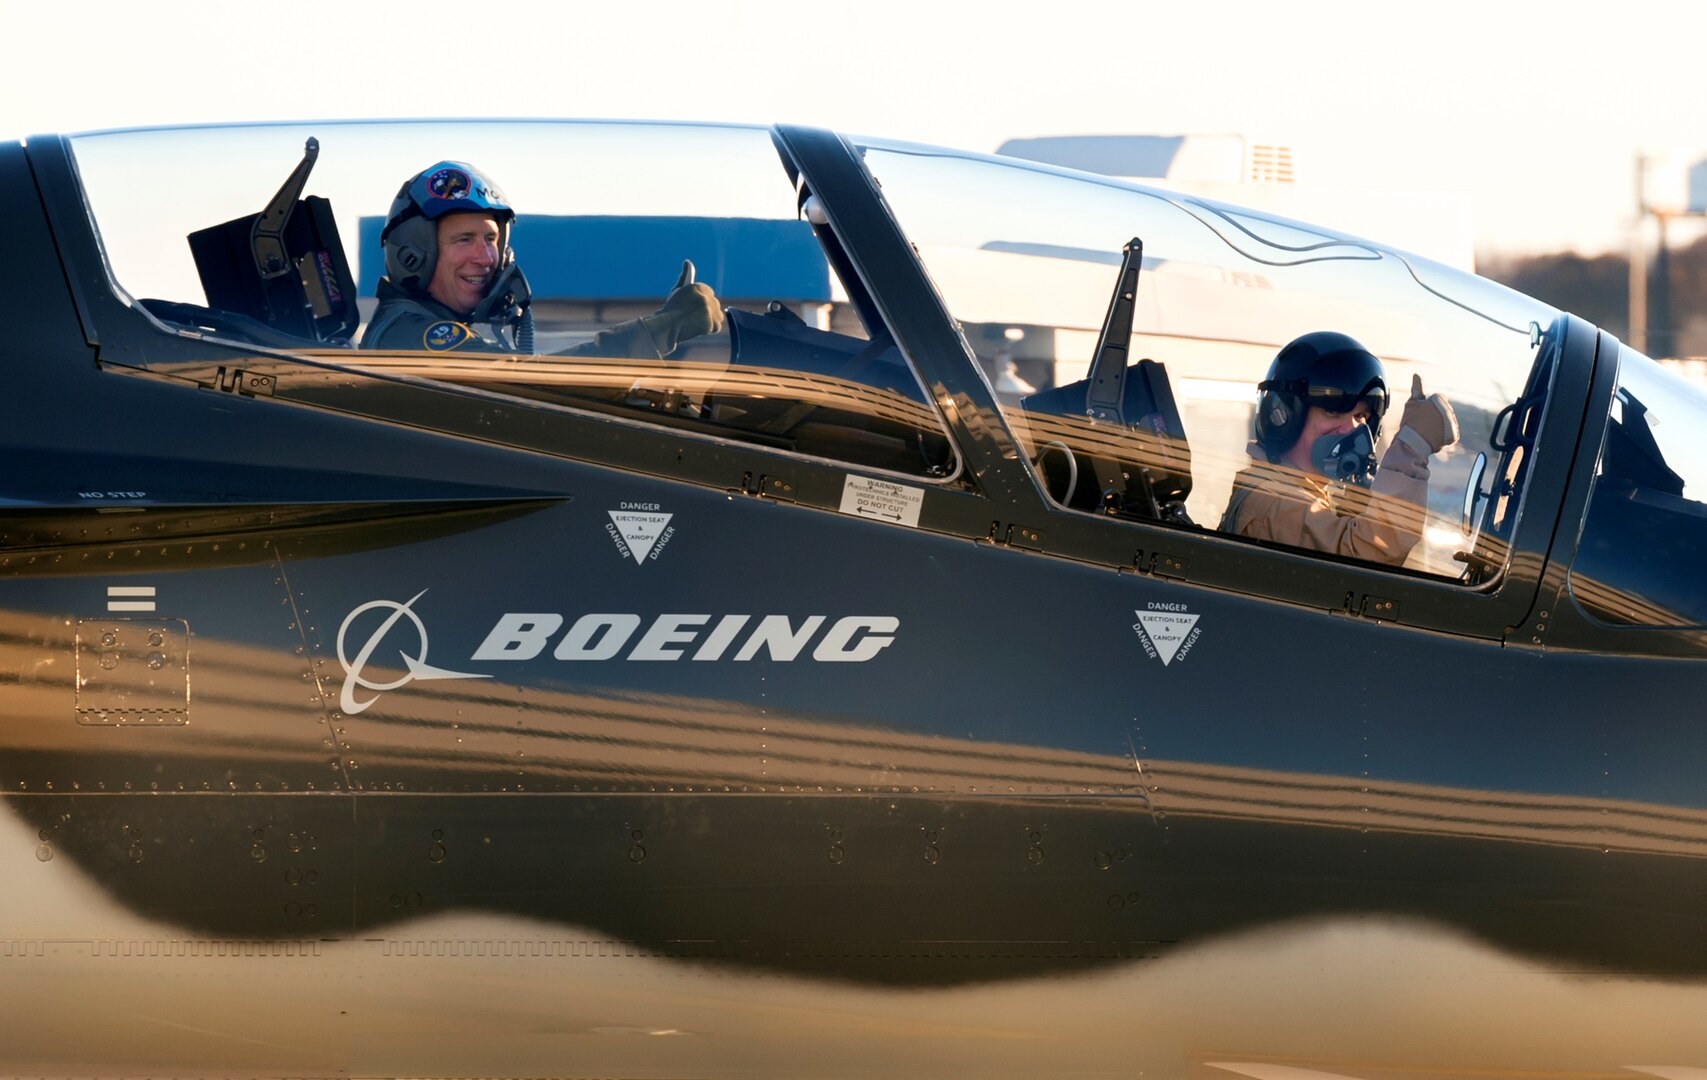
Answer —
1533 111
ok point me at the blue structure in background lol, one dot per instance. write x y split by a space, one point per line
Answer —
613 258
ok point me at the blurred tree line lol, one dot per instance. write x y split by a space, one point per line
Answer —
1598 289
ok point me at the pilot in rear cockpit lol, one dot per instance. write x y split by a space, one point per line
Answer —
452 284
1313 481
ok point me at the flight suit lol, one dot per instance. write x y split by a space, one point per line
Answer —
1277 502
407 320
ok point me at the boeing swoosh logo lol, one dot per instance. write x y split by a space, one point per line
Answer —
417 666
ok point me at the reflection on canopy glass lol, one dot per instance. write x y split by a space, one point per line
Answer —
611 223
1026 258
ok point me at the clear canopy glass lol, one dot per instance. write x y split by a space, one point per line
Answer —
1026 256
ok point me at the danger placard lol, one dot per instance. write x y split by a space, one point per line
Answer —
882 500
1167 637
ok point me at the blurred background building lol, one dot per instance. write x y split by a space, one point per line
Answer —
1269 175
1653 297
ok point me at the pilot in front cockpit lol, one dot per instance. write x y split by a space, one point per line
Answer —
1317 421
452 284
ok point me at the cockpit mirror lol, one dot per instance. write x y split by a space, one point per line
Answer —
1472 494
1478 566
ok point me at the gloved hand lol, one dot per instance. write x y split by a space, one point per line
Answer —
1431 418
690 310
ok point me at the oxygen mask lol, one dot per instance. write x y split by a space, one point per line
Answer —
1347 457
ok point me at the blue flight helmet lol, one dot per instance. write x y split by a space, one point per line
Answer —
410 237
1330 370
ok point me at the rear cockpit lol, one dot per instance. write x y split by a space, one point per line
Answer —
603 226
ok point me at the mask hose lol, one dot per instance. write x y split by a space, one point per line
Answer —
524 332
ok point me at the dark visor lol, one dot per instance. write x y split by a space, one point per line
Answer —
1335 400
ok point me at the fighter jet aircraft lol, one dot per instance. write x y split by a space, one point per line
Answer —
861 686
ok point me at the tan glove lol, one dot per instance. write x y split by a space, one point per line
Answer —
689 311
1430 418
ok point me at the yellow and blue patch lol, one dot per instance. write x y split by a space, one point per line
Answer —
449 183
444 335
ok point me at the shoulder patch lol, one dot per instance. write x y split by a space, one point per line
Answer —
444 335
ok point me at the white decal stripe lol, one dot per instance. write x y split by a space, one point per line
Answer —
130 590
130 605
1259 1070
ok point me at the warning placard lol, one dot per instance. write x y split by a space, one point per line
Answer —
1167 636
882 500
640 534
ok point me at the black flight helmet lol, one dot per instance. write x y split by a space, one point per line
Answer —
1329 370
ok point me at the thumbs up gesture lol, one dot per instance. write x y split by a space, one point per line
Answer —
690 311
1430 417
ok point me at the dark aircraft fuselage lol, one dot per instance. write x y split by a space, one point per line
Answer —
359 721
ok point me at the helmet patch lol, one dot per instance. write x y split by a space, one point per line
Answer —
445 335
449 184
